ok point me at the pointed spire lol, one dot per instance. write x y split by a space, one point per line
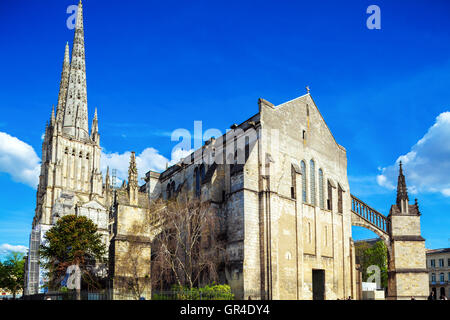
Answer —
133 180
63 84
52 117
107 180
94 128
402 192
132 170
75 111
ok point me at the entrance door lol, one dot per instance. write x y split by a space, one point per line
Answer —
318 284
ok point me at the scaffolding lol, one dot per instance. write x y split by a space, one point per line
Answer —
33 262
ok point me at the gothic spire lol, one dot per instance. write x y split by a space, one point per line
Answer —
94 129
52 117
132 170
75 121
402 192
63 84
133 180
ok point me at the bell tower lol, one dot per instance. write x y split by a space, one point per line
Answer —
407 274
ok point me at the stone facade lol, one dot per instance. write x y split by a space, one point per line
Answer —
280 181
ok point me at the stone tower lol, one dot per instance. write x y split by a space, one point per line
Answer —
70 156
407 275
70 181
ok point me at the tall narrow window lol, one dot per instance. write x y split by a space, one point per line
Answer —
293 186
202 172
340 209
312 177
169 194
330 197
303 168
321 198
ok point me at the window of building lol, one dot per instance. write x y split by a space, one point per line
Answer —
330 197
441 263
441 277
169 191
321 198
448 262
293 186
433 277
432 263
202 172
303 168
340 207
312 182
448 277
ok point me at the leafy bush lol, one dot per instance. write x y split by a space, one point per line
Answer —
208 292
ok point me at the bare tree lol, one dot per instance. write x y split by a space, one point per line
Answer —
188 247
133 265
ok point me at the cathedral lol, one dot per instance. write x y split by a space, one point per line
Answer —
70 181
279 180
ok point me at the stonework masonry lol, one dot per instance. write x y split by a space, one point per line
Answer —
279 181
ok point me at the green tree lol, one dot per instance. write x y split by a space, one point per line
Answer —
12 273
73 240
373 255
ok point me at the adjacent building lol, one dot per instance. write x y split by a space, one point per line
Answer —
438 265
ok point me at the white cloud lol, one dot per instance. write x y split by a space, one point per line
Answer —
148 159
427 165
19 160
8 248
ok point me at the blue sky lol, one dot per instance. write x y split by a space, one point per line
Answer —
155 66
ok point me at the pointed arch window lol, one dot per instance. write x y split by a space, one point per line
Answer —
303 169
321 198
202 172
340 206
312 182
